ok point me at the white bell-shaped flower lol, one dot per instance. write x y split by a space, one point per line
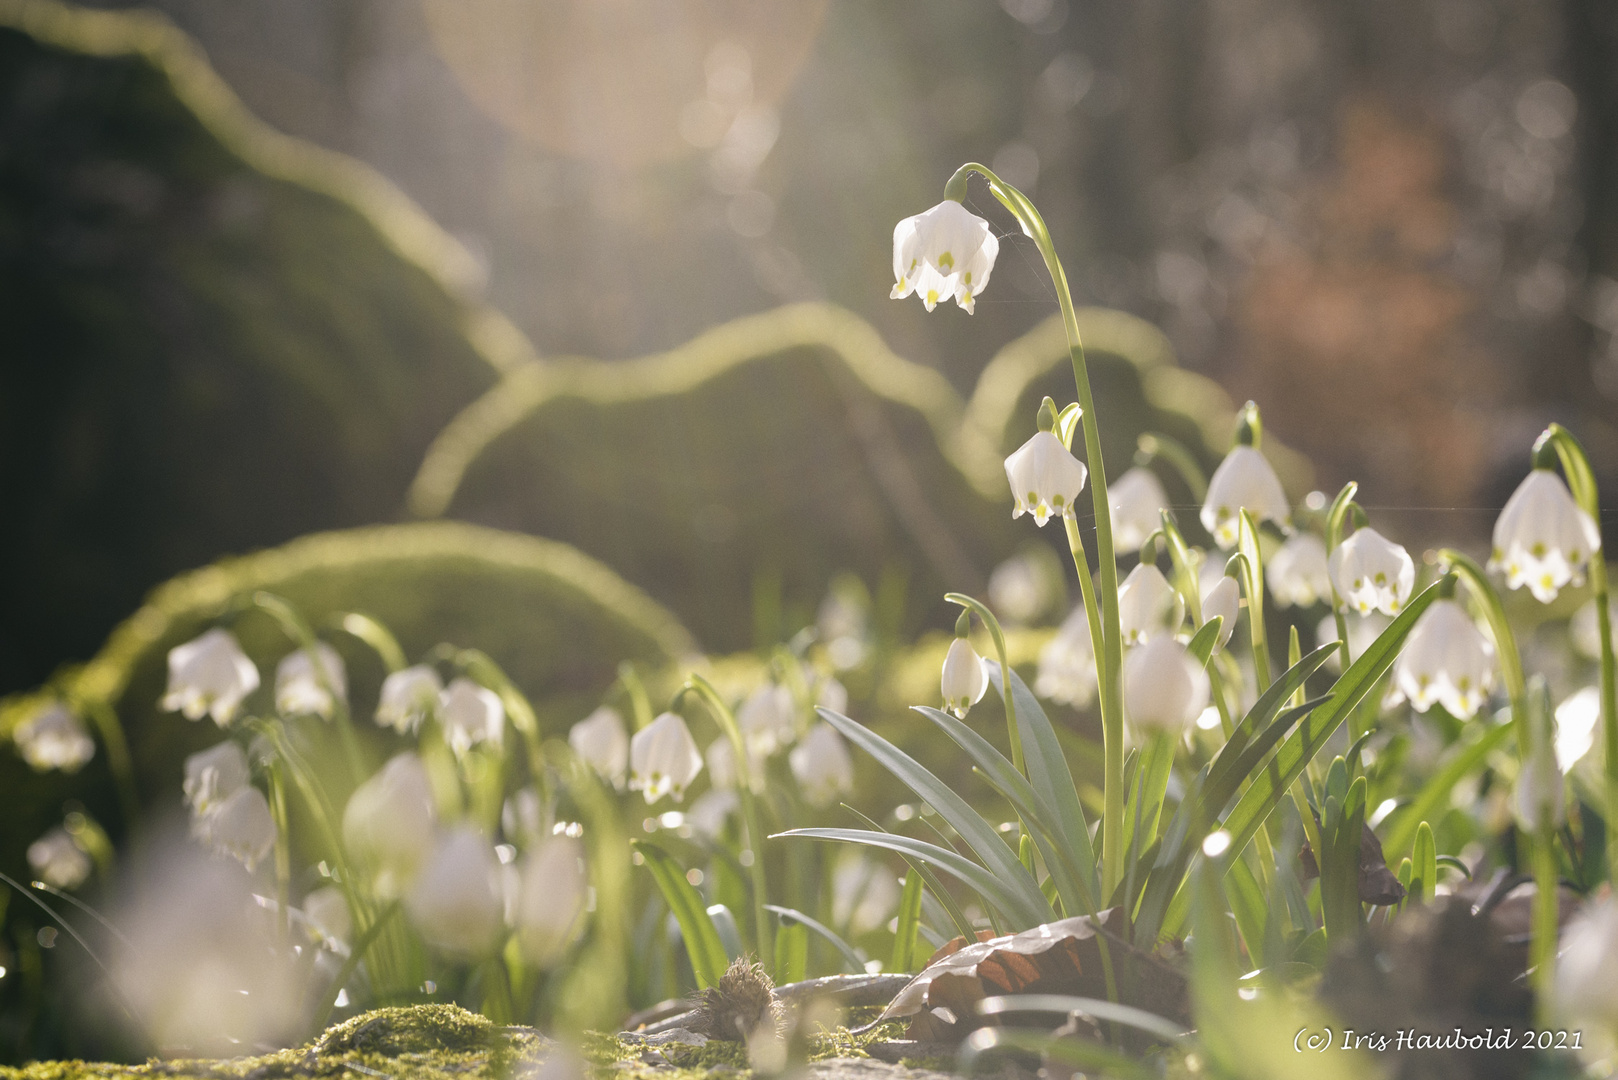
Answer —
1446 659
1362 631
831 694
1138 500
1148 606
1243 481
1542 539
1372 573
711 810
388 823
720 758
54 738
214 775
1165 689
240 826
1019 590
944 252
326 911
58 861
602 741
209 676
964 679
1586 979
310 682
1586 632
1538 795
1297 573
551 899
1045 479
470 714
663 758
456 903
822 765
1223 600
1577 719
408 698
768 719
1067 663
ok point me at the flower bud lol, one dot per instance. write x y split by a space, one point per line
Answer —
964 679
408 698
58 861
1543 538
1148 606
1243 481
310 682
1297 573
822 766
1165 689
54 738
1045 479
663 758
602 742
1372 573
455 902
214 775
209 676
1224 601
551 898
470 714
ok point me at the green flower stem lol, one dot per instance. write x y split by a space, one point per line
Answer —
1154 445
1334 536
1110 644
1112 790
1253 586
755 832
640 705
1505 645
1005 678
105 718
283 858
1582 483
1546 902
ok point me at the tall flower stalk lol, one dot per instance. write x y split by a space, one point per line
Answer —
1110 654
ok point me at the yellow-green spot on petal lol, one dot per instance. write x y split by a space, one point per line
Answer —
946 261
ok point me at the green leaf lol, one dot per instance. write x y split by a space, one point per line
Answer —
702 943
791 952
909 922
1027 904
1424 865
1146 795
730 935
1226 776
1202 642
1247 904
850 957
1340 865
1435 793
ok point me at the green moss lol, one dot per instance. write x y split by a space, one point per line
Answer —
415 1029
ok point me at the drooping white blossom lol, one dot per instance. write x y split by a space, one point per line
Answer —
1019 590
311 682
1297 573
1372 573
964 678
720 758
863 893
822 765
1148 606
1165 689
663 758
1045 478
831 694
326 911
1222 600
456 902
209 676
1243 481
1577 719
470 714
551 899
239 826
58 861
1446 659
1138 500
1543 539
1538 795
1362 631
944 252
602 741
214 775
1067 663
54 738
711 810
408 698
388 823
768 719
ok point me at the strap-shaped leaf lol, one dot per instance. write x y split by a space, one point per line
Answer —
1254 752
979 835
702 943
1202 642
1223 778
850 957
1435 793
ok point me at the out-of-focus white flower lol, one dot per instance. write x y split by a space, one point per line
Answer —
326 911
310 682
843 621
1045 479
1539 785
209 676
1542 538
864 894
54 738
408 698
1019 590
711 809
822 765
1372 573
1137 499
1297 573
214 775
550 901
1576 721
470 714
1586 634
1067 663
1362 631
388 823
1165 689
602 740
1243 481
721 761
1586 987
833 695
964 678
58 861
768 719
1148 606
240 826
663 758
456 901
1223 600
943 252
1446 659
